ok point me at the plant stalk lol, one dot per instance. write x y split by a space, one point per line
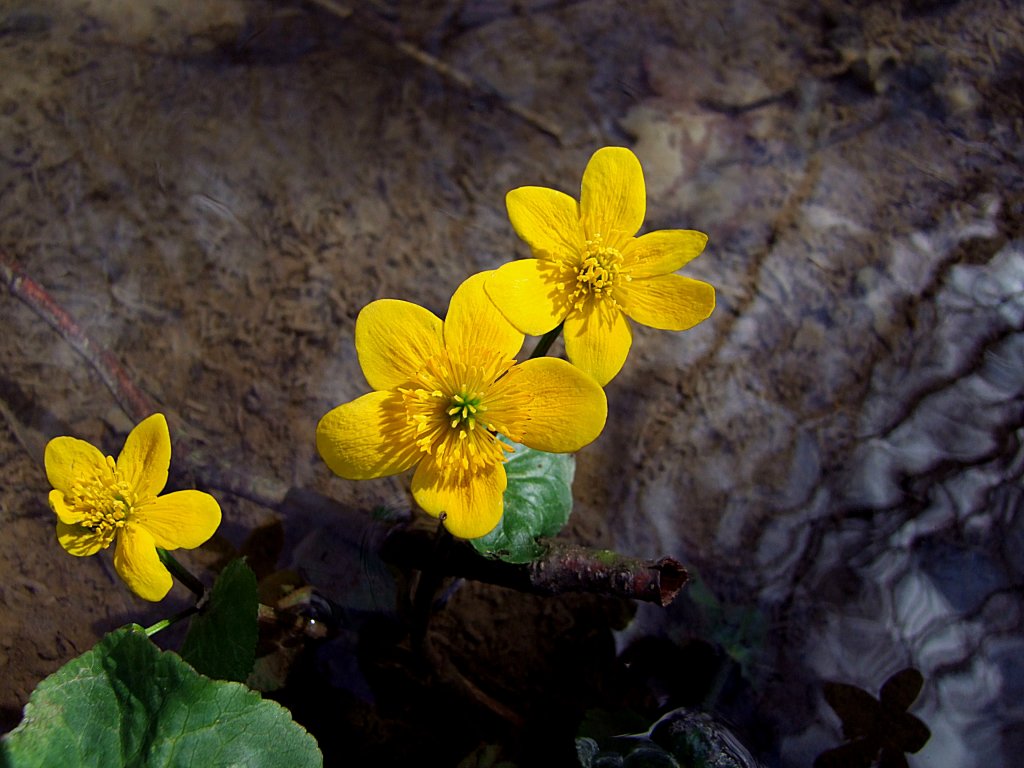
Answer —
171 621
545 342
181 573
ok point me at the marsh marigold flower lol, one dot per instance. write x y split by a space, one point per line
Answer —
444 392
98 501
591 271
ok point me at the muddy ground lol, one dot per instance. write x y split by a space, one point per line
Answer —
215 189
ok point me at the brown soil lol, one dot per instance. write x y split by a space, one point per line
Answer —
215 189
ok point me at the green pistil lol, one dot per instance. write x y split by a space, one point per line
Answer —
464 409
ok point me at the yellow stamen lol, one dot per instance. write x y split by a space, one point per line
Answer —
103 502
446 411
599 269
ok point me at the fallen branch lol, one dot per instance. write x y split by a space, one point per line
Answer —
563 568
389 33
132 399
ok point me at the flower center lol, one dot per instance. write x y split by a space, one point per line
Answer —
597 273
465 409
104 502
447 409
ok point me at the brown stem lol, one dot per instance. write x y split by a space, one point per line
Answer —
132 399
389 33
564 567
136 403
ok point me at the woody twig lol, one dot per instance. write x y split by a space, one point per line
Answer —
389 33
133 400
563 567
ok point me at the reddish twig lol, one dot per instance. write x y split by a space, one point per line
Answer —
564 567
132 399
136 403
568 568
389 33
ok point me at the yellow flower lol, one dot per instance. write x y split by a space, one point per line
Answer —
98 500
590 270
444 391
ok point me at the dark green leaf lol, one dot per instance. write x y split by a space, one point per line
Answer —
126 703
649 756
681 737
221 640
698 740
538 501
586 750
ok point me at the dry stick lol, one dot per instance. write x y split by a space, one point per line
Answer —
390 34
564 567
135 402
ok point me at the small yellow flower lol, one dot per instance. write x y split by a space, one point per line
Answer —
590 270
98 500
444 391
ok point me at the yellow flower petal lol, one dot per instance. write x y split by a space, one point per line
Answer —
548 220
597 340
69 460
473 504
367 437
668 302
567 407
78 540
393 340
146 456
180 519
64 513
473 323
613 198
661 252
527 294
138 564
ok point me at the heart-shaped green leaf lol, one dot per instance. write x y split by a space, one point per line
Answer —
221 640
127 703
538 501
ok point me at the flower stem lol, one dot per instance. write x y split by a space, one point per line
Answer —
165 623
430 580
545 342
181 573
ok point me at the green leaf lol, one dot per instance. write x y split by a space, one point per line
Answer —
586 750
682 738
221 640
538 501
126 703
